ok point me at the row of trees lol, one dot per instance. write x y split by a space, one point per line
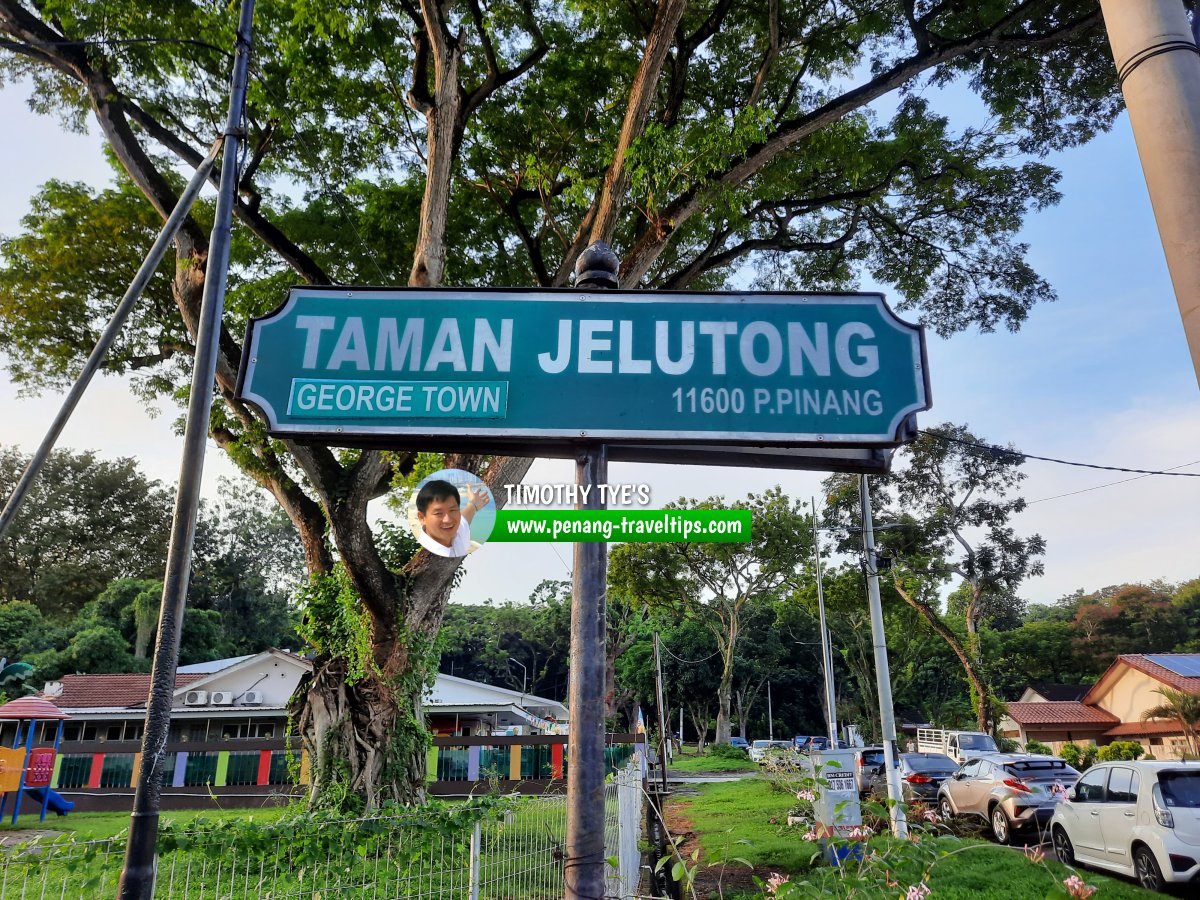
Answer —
83 561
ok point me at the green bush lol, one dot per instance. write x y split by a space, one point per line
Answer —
1006 745
1128 750
1038 747
1078 757
725 751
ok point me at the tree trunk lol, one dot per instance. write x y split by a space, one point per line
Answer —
978 686
724 691
366 745
699 716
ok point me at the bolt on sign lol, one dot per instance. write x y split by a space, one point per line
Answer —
507 367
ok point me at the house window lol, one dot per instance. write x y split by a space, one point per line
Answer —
280 768
49 730
71 732
201 769
113 732
89 733
1155 742
232 731
74 771
243 768
117 771
263 730
189 731
133 731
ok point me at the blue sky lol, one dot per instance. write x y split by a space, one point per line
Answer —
1102 375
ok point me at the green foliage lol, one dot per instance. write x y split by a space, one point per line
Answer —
1079 757
725 751
334 622
84 522
1038 747
1007 745
1117 750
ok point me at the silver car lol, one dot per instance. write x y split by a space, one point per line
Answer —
1013 792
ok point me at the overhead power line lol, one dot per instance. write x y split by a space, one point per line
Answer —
1021 454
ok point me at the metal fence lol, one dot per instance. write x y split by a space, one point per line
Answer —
475 852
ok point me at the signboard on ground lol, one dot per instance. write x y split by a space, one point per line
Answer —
530 367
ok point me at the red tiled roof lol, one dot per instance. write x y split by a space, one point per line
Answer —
1059 712
121 690
1144 729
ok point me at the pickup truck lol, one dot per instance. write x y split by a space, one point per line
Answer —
958 745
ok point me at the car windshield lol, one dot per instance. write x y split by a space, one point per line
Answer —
781 745
874 757
761 745
975 742
1180 789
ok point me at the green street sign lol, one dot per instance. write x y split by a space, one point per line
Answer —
349 365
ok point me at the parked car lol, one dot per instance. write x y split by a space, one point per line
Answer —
808 743
921 776
1013 792
1141 819
759 749
866 760
740 742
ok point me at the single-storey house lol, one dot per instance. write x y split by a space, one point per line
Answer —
228 735
1112 709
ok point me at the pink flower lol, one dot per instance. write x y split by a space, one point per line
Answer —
810 836
1076 888
918 892
1035 854
775 882
806 795
931 816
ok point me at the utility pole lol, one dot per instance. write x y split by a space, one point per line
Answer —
583 875
826 640
1159 69
662 722
883 676
770 716
137 877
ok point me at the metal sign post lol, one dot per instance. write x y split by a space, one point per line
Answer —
883 677
584 868
137 877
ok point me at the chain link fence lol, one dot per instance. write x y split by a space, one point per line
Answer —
476 851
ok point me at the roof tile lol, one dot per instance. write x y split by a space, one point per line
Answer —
1059 712
116 690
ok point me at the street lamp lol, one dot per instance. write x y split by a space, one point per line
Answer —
524 672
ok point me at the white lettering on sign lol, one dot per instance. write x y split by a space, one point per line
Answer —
399 344
760 348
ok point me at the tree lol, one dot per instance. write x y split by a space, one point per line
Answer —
715 583
84 522
448 143
1184 708
951 500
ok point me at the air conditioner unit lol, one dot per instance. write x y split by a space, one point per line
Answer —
221 698
195 698
252 698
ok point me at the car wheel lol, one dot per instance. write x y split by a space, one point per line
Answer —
945 808
1062 846
1000 827
1145 867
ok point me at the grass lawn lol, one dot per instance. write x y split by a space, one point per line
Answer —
746 820
98 826
689 763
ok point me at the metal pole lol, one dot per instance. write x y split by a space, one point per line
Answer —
883 678
662 724
826 641
770 716
1159 70
137 878
583 874
115 324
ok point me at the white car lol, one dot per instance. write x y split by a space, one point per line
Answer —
1140 819
759 749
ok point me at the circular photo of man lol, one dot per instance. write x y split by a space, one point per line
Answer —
452 513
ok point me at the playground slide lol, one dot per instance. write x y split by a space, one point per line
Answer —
57 803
